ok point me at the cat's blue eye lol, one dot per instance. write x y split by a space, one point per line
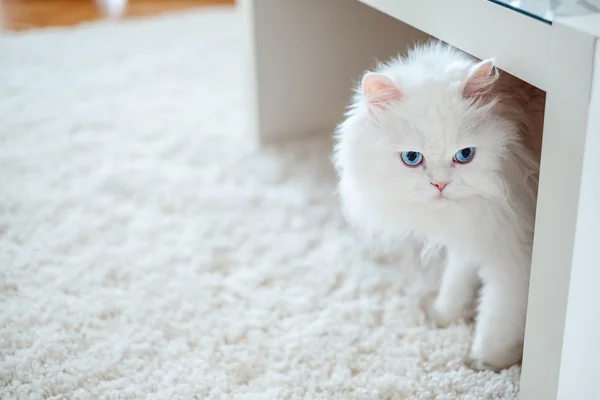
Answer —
411 158
465 155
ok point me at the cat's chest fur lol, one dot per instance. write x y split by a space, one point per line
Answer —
471 230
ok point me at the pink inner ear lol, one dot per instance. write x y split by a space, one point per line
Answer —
380 90
480 79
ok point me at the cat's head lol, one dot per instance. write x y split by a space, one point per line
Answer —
426 135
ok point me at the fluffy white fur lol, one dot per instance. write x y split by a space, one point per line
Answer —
436 101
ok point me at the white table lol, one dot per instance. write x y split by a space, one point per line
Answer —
306 54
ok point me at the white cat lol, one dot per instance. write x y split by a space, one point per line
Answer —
432 148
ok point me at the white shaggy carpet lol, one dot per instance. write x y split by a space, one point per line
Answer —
149 251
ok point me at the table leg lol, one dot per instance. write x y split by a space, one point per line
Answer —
305 57
580 361
561 203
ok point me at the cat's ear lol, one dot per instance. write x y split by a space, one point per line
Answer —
379 90
480 79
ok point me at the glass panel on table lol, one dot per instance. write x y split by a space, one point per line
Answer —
547 10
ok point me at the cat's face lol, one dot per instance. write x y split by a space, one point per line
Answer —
429 154
429 146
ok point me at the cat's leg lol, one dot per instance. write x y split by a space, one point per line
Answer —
500 326
456 295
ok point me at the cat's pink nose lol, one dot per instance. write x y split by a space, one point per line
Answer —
440 185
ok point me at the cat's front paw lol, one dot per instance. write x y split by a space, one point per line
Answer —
432 313
477 364
495 364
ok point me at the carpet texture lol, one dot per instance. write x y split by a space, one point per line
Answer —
149 250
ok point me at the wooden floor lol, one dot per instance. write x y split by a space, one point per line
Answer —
28 14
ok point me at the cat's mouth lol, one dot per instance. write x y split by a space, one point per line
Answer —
440 203
441 200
